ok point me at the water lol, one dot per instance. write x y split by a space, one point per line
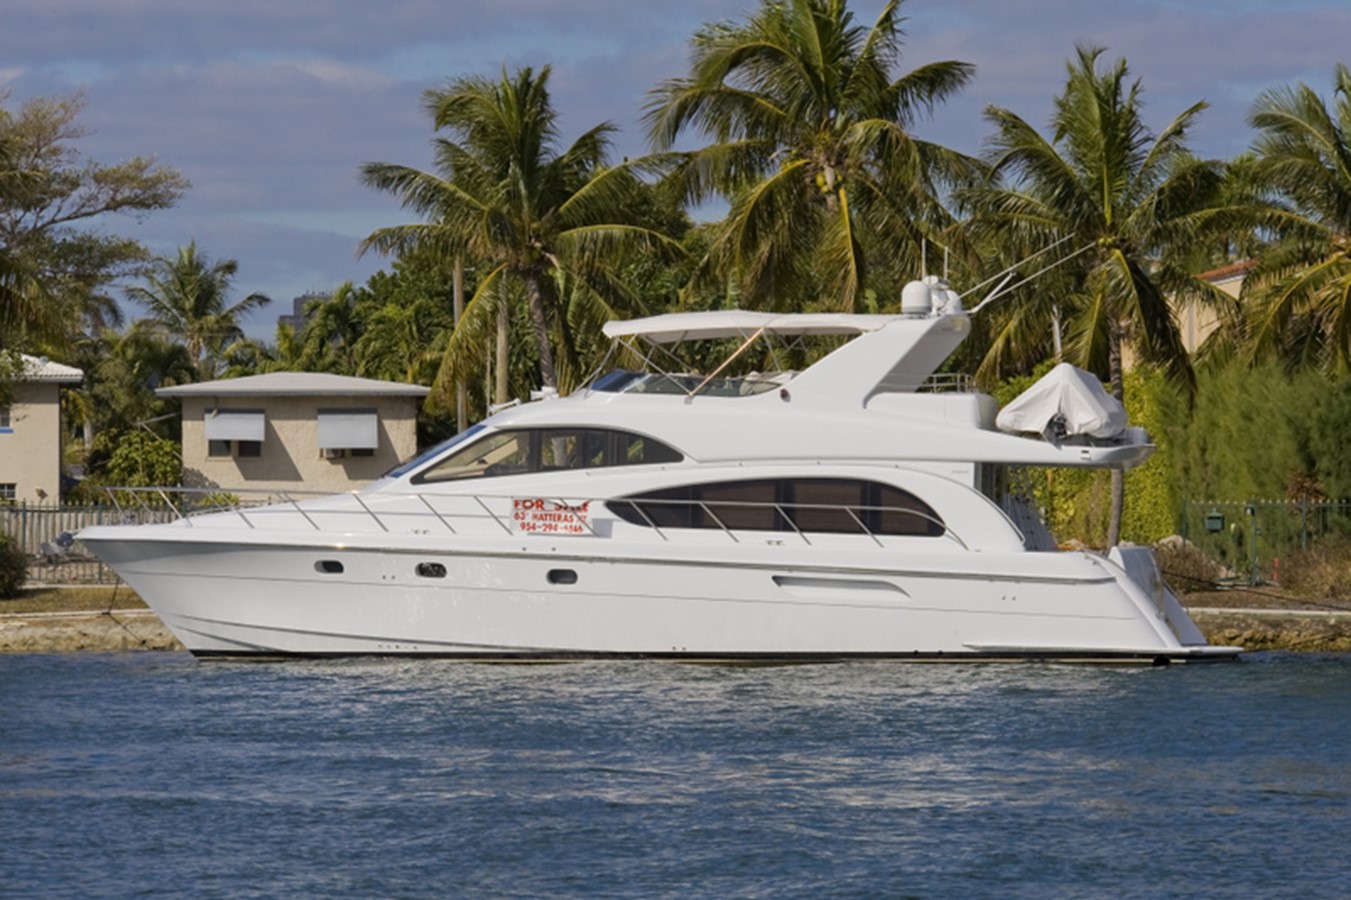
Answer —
146 774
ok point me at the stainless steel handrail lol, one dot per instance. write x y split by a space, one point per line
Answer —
294 502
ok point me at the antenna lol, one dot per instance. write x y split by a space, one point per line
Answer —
1001 290
1042 252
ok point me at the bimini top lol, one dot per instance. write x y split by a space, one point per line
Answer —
673 328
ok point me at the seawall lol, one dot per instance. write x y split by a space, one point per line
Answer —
58 632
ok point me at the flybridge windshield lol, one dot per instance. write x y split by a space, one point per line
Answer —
625 382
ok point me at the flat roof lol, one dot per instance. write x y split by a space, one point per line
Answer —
295 384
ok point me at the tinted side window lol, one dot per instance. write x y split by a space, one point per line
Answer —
740 505
809 505
900 512
830 505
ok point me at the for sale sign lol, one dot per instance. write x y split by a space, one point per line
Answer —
536 515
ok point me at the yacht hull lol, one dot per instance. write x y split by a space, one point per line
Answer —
272 597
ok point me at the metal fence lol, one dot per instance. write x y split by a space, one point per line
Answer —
46 534
1250 539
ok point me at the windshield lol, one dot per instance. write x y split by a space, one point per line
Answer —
528 450
428 455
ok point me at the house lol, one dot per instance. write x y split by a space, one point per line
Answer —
295 430
1197 322
30 431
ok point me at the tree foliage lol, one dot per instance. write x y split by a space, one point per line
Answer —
13 567
123 370
142 459
187 298
1133 201
830 192
54 266
551 225
1248 436
1329 440
1300 291
1130 200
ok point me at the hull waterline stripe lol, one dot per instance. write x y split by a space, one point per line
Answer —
760 658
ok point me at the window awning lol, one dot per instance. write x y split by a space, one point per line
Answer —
234 425
348 429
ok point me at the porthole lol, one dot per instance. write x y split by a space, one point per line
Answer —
562 576
431 570
328 567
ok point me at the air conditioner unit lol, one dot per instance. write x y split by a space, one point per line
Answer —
332 453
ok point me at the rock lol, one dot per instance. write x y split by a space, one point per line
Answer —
62 632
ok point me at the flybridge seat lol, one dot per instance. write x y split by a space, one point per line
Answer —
1069 405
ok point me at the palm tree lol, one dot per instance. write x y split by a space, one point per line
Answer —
402 342
811 146
516 208
331 332
1301 287
1134 201
22 311
187 298
124 370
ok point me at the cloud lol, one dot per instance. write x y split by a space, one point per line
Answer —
271 107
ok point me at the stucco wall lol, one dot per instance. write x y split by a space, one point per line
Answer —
1195 322
30 451
290 457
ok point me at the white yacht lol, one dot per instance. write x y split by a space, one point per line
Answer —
842 511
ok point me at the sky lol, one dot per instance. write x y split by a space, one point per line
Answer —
269 107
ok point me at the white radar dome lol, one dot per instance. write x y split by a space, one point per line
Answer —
916 299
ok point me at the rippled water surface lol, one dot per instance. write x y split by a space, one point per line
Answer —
154 775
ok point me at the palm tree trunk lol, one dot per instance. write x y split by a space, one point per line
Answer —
503 348
457 311
1118 485
535 295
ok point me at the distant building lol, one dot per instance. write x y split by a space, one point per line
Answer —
30 432
297 318
295 430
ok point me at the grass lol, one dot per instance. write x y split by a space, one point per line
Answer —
76 598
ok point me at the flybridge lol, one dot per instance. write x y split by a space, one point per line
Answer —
889 354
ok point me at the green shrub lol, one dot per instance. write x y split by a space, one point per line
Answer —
1151 509
13 567
142 459
1249 429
